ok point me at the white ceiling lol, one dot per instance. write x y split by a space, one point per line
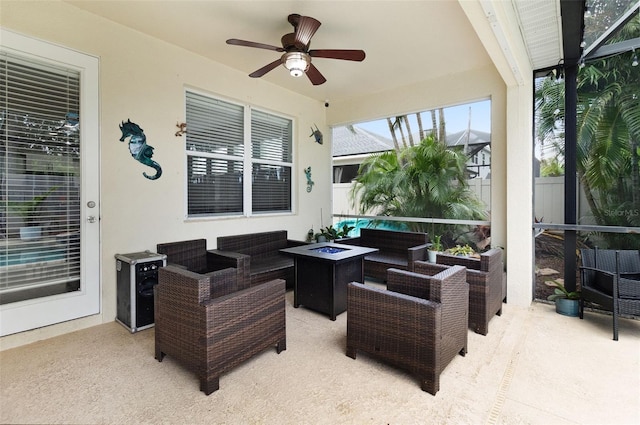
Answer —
405 41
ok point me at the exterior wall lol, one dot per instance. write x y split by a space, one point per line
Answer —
143 79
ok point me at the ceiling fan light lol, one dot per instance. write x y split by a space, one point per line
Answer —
296 62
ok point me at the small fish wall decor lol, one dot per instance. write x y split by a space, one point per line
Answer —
139 148
316 134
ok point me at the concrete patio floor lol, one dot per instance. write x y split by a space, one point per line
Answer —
534 367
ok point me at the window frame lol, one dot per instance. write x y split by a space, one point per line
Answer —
248 162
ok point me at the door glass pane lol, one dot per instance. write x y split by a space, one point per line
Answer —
39 179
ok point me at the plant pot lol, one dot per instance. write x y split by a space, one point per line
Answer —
321 239
567 307
30 233
432 256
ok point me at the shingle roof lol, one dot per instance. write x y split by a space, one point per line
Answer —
353 140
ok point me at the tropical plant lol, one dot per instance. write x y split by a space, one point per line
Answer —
551 168
331 232
608 135
427 180
560 291
461 250
436 245
30 208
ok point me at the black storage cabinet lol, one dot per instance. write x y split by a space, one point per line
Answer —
137 274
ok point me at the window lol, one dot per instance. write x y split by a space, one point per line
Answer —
226 159
39 178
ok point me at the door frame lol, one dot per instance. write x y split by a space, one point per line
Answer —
39 312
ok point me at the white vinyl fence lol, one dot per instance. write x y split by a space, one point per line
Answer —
548 204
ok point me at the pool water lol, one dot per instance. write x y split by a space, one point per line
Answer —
358 224
25 256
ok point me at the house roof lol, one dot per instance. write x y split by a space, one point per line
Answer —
353 140
475 140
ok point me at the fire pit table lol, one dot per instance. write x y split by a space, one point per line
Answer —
322 272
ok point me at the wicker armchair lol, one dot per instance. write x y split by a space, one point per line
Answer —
419 323
486 285
208 325
611 279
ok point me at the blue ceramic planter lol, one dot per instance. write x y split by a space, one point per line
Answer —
567 307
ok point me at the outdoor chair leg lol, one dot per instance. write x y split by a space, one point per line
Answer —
281 346
430 384
351 352
209 384
159 354
581 308
615 320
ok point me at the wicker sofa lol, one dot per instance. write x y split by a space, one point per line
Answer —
419 323
210 325
396 249
486 284
257 256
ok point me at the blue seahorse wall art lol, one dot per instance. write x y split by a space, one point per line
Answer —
139 148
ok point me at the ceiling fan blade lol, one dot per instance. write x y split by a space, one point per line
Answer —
315 76
306 27
236 42
349 55
260 72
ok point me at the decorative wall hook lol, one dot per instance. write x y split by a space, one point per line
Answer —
182 129
316 134
310 183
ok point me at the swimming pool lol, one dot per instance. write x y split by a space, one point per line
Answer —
18 256
358 224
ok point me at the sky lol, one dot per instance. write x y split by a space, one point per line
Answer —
456 119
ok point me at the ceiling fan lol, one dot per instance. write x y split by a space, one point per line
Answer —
297 56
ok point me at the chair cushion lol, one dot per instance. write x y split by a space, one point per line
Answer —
387 258
629 286
603 283
266 264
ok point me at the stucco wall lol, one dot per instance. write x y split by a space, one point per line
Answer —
144 79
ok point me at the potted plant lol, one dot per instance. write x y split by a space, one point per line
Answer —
461 250
436 246
330 233
29 211
566 302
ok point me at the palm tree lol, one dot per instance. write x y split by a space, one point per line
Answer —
608 134
427 180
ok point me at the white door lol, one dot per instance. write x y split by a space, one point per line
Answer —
49 184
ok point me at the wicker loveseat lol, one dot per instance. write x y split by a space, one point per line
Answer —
419 323
209 325
257 256
486 284
611 279
396 249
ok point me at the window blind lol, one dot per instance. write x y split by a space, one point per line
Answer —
271 152
215 155
218 146
39 178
